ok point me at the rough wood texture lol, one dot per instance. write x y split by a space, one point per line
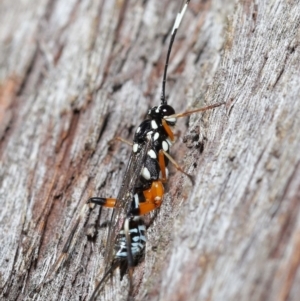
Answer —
75 74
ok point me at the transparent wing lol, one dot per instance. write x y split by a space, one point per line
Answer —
125 195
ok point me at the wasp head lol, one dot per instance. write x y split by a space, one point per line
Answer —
163 111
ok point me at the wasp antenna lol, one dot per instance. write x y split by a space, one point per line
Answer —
203 109
173 34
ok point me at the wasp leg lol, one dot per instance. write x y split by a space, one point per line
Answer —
147 200
105 224
121 140
177 165
162 166
168 129
105 202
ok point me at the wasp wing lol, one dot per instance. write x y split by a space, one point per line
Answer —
125 196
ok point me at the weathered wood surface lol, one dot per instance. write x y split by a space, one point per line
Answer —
76 74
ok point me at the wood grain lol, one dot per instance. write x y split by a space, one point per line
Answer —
75 74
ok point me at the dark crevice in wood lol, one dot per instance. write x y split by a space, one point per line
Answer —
200 52
115 40
49 10
69 136
9 283
103 126
117 87
278 76
29 72
266 196
289 51
291 217
258 78
128 48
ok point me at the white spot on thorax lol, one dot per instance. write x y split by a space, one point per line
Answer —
146 173
152 154
156 136
154 124
165 146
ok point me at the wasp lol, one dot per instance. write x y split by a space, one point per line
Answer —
142 188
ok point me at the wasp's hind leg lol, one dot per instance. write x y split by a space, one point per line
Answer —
144 200
171 159
104 202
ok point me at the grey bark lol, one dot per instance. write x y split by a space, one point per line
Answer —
75 74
